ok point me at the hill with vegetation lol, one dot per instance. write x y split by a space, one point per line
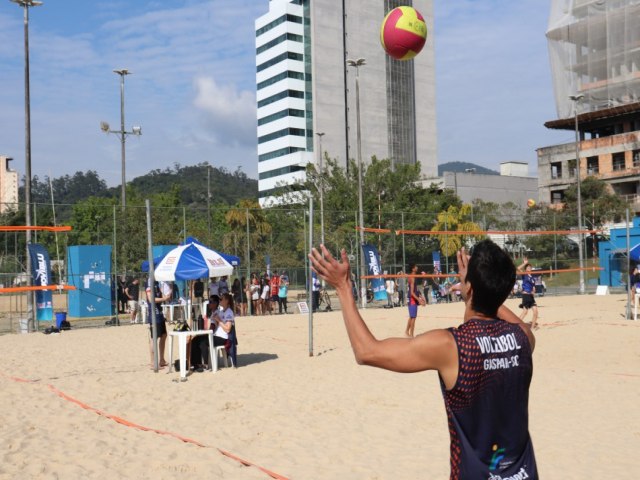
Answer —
190 182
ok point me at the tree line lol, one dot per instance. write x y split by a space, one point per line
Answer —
393 198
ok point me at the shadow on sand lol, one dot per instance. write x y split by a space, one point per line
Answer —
245 359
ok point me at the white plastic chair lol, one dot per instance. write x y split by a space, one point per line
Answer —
221 351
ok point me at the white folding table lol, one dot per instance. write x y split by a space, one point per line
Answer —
182 350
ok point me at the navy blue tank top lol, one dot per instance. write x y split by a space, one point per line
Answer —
487 409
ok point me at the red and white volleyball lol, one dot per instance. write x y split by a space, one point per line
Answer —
403 33
531 203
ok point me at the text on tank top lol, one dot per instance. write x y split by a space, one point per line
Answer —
487 409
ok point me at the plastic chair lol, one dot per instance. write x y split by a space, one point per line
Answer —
221 351
229 351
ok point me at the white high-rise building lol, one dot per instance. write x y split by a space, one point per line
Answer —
304 88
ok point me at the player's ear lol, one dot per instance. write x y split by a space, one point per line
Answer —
466 291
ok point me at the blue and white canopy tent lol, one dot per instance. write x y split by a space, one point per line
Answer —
191 261
231 259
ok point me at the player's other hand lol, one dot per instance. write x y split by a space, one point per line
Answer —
332 271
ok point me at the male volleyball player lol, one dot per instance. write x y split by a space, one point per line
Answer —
484 365
528 293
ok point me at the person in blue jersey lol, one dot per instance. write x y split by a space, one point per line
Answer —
528 293
484 365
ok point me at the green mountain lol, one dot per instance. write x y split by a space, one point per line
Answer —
226 187
463 167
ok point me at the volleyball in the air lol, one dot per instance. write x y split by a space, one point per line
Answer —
531 203
403 33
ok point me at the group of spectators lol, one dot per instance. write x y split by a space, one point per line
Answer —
225 302
263 292
266 291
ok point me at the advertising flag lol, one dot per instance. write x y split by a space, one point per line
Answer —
41 274
373 263
436 260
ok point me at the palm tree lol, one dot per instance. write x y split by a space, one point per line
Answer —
246 210
455 219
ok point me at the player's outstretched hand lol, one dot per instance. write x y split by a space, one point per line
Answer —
332 271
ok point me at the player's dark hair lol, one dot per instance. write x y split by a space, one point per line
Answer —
492 274
229 299
214 301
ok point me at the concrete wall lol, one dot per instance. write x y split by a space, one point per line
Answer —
492 188
603 148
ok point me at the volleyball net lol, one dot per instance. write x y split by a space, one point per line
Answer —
559 262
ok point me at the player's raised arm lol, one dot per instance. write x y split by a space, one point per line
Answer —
433 350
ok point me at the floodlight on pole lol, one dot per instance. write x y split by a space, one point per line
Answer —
363 285
136 130
576 99
26 4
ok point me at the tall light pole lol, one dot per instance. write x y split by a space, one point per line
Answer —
209 205
320 166
26 4
363 285
576 99
123 133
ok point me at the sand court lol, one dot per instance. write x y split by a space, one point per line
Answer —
307 417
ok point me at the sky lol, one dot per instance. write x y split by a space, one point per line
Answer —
192 87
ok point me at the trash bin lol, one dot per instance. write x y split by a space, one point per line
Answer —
60 317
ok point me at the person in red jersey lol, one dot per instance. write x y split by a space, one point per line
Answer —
484 365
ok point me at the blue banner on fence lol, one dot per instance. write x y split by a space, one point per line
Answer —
41 273
373 262
436 260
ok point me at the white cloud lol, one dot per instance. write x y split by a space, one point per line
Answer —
229 114
174 49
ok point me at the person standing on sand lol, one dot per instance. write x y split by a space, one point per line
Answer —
528 293
133 295
485 365
160 297
414 299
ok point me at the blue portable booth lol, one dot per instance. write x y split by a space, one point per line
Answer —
613 254
89 270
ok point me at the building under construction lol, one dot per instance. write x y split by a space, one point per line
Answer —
594 47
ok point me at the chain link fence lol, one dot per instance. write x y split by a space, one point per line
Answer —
277 240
